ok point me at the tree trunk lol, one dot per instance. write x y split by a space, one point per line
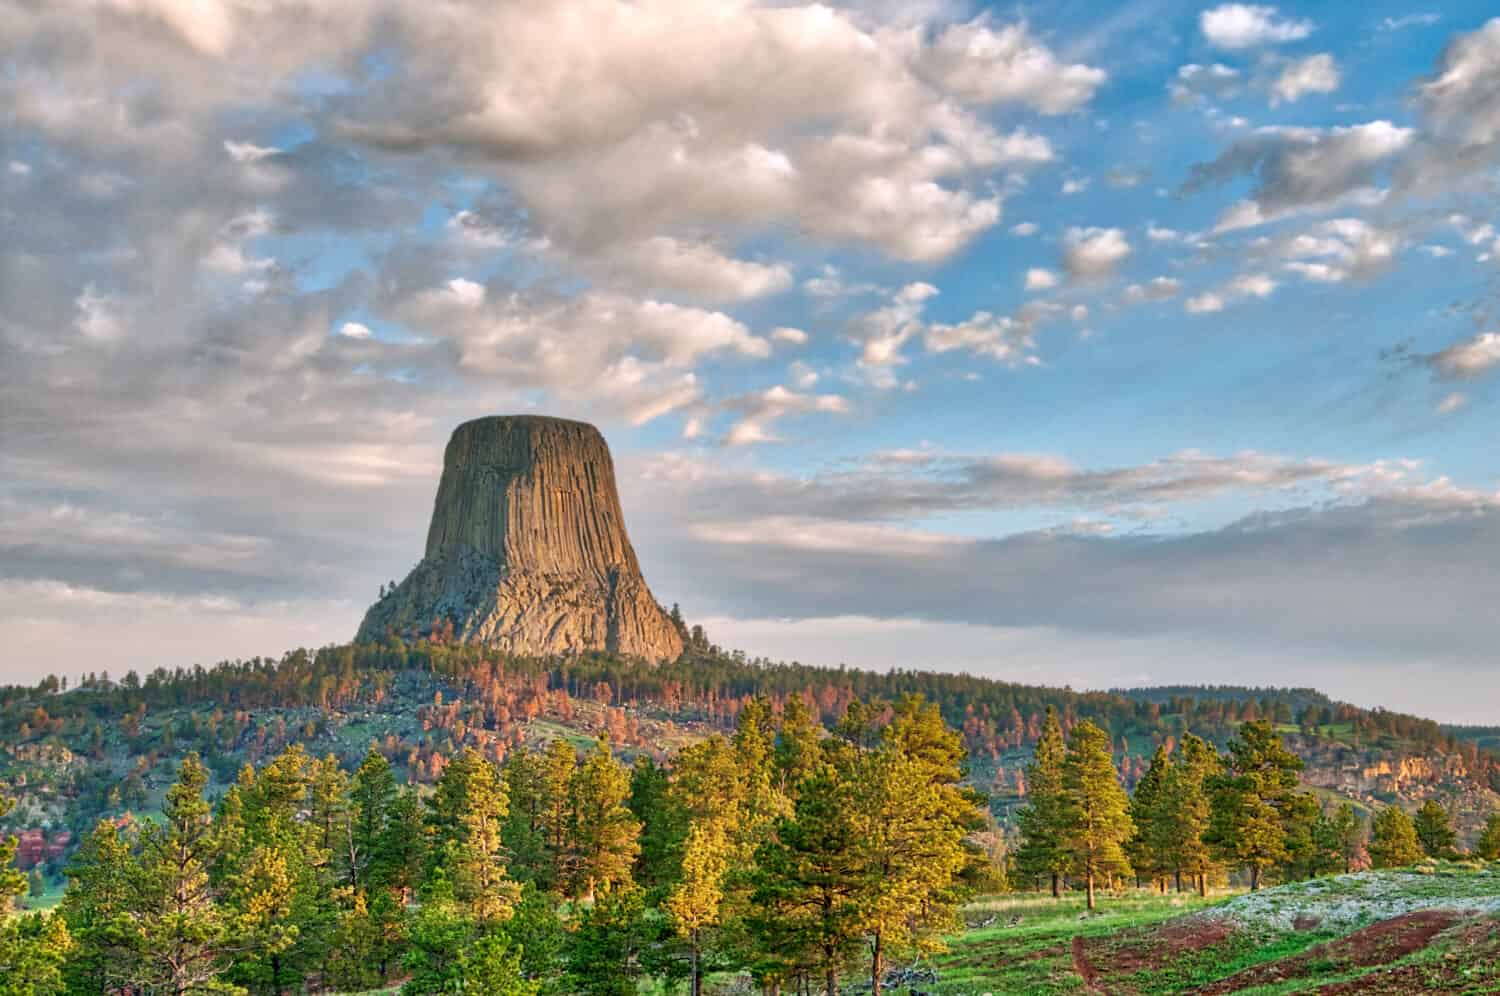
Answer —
832 982
877 964
1203 884
1254 877
1179 880
697 977
1056 892
1089 879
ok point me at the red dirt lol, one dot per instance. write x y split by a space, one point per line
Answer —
1476 944
1085 970
1377 944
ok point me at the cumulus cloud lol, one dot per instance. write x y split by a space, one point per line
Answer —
1038 278
1314 74
1460 105
1302 168
1339 250
758 411
1240 26
1246 285
1093 253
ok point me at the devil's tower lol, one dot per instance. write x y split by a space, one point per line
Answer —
527 549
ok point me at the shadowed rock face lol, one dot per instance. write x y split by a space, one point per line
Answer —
527 549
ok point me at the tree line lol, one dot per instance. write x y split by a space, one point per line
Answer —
783 850
1196 814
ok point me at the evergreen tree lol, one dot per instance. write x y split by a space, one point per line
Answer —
605 956
663 825
372 794
1251 800
694 904
1182 813
401 855
1393 839
1096 811
604 838
797 753
911 819
33 948
465 816
524 830
103 886
1349 832
1435 831
1042 818
559 765
1488 846
180 933
806 888
1147 847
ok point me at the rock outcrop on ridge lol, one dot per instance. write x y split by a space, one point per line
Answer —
527 549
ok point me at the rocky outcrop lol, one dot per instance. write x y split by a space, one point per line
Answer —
527 549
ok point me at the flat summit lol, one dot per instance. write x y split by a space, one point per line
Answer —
527 550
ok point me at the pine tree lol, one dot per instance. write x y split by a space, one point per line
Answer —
1251 799
1488 846
103 886
695 903
1349 832
179 930
797 753
559 765
1041 819
1393 839
1096 820
33 948
1147 848
663 825
605 956
1182 813
806 888
1435 831
523 832
604 837
372 793
911 816
465 816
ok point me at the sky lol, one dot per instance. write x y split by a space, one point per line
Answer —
1099 344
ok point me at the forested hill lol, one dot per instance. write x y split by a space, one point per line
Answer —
75 751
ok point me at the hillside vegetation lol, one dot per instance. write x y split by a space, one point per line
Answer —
76 751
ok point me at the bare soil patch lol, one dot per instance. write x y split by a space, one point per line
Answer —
1378 944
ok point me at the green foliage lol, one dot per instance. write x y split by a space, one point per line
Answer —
1253 801
1096 812
604 837
1393 839
605 959
1488 845
1435 831
1043 819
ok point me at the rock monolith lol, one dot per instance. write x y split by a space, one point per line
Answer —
527 549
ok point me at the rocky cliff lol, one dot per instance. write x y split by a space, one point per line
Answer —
527 549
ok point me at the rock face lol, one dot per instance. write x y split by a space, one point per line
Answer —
527 549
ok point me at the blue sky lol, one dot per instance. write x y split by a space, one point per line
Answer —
1076 343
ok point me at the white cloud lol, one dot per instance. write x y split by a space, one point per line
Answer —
1203 304
759 410
1452 403
791 336
1024 229
1238 26
97 318
1093 253
354 330
1074 185
1195 83
988 65
1339 250
1314 74
1302 168
1409 21
1468 359
1040 279
698 269
1155 289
